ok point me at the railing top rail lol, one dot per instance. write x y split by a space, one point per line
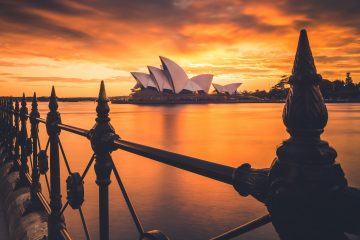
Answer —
41 120
212 170
75 130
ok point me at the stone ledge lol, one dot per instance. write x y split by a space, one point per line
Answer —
24 222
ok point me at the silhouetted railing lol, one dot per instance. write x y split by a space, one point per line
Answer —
103 141
305 190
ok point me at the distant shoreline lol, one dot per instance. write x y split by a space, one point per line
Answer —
229 102
115 100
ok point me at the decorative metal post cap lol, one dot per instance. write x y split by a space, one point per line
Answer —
102 109
102 93
304 70
34 111
53 105
23 100
34 100
304 112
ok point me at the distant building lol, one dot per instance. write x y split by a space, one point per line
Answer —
228 89
171 78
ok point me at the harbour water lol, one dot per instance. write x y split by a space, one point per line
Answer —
181 204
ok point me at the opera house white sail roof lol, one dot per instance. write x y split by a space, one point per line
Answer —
171 78
229 88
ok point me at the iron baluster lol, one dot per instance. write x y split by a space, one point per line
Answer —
3 129
56 222
35 174
24 168
11 131
5 134
101 137
17 135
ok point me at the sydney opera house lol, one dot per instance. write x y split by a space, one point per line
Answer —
171 78
170 83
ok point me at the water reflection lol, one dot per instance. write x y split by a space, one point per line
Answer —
182 204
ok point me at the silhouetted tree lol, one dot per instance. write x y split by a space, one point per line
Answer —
326 88
348 80
280 90
260 94
331 90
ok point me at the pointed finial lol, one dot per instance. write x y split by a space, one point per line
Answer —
23 100
34 101
102 93
23 109
304 70
53 94
53 105
34 111
102 108
16 105
11 103
3 104
304 111
34 104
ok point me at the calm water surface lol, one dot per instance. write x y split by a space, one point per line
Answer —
181 204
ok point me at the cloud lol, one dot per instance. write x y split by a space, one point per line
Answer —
55 79
67 80
17 17
336 59
233 39
331 12
17 64
56 6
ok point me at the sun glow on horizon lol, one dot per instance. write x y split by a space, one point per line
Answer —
74 45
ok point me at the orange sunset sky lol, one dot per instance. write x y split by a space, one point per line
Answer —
75 44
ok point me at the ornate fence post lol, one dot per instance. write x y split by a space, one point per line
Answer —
11 131
1 113
17 133
55 222
4 128
2 110
6 117
101 137
23 143
5 121
305 180
1 116
35 174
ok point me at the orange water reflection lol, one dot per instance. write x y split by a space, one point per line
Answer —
182 204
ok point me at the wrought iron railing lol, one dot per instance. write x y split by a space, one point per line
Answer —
103 140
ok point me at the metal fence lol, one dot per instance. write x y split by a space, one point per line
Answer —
104 140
